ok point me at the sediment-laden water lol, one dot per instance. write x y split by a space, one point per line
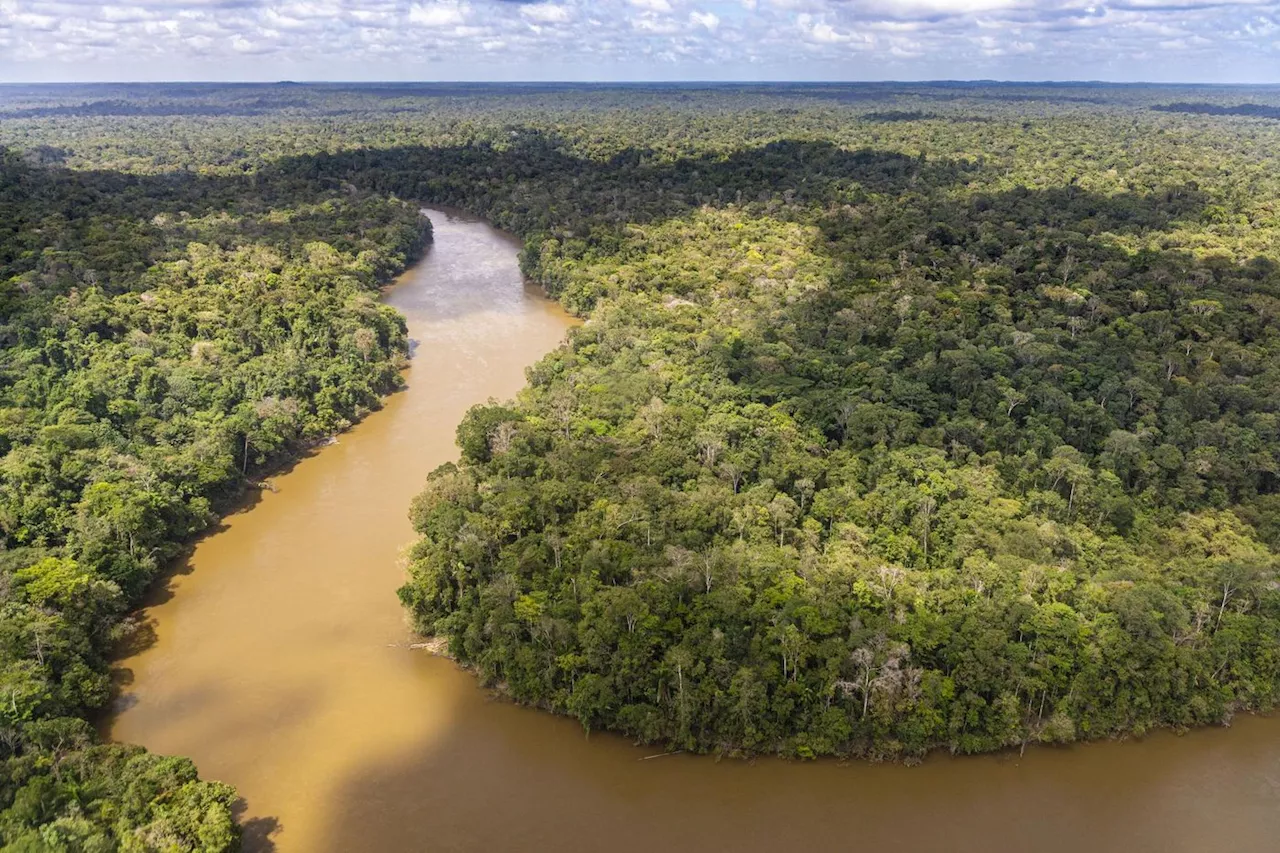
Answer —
280 663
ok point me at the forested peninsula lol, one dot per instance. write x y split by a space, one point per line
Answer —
902 418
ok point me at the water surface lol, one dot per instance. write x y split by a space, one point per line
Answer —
281 665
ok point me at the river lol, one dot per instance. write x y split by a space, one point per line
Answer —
279 661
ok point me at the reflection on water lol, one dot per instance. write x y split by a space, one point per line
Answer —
280 664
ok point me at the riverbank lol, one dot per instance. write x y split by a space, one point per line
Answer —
280 657
283 665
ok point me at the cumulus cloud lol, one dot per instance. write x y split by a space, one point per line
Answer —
640 39
709 21
438 14
546 13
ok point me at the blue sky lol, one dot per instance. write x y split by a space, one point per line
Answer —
1156 40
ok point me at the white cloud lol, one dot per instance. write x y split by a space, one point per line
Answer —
33 21
909 8
1162 5
125 14
654 25
546 13
311 10
676 39
908 50
371 17
240 44
819 31
992 46
707 20
438 14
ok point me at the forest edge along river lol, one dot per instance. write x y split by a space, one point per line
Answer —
281 663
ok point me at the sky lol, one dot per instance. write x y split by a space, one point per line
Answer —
1219 41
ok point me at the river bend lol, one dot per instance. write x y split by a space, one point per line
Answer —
280 663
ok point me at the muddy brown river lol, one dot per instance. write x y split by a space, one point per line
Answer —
280 663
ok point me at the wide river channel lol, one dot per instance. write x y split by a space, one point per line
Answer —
281 664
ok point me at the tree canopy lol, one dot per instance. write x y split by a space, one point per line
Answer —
903 417
165 341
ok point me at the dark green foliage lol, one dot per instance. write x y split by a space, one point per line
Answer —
165 340
905 416
1252 110
874 455
76 797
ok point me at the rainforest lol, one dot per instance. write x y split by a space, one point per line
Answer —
901 419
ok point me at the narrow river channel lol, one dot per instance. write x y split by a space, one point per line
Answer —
280 663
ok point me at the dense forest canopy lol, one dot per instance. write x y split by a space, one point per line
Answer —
904 417
165 340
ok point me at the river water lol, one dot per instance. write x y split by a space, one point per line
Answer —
280 663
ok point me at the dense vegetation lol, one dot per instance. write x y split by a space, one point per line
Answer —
1257 110
864 453
903 417
164 341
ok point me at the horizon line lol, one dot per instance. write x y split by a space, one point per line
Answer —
643 82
